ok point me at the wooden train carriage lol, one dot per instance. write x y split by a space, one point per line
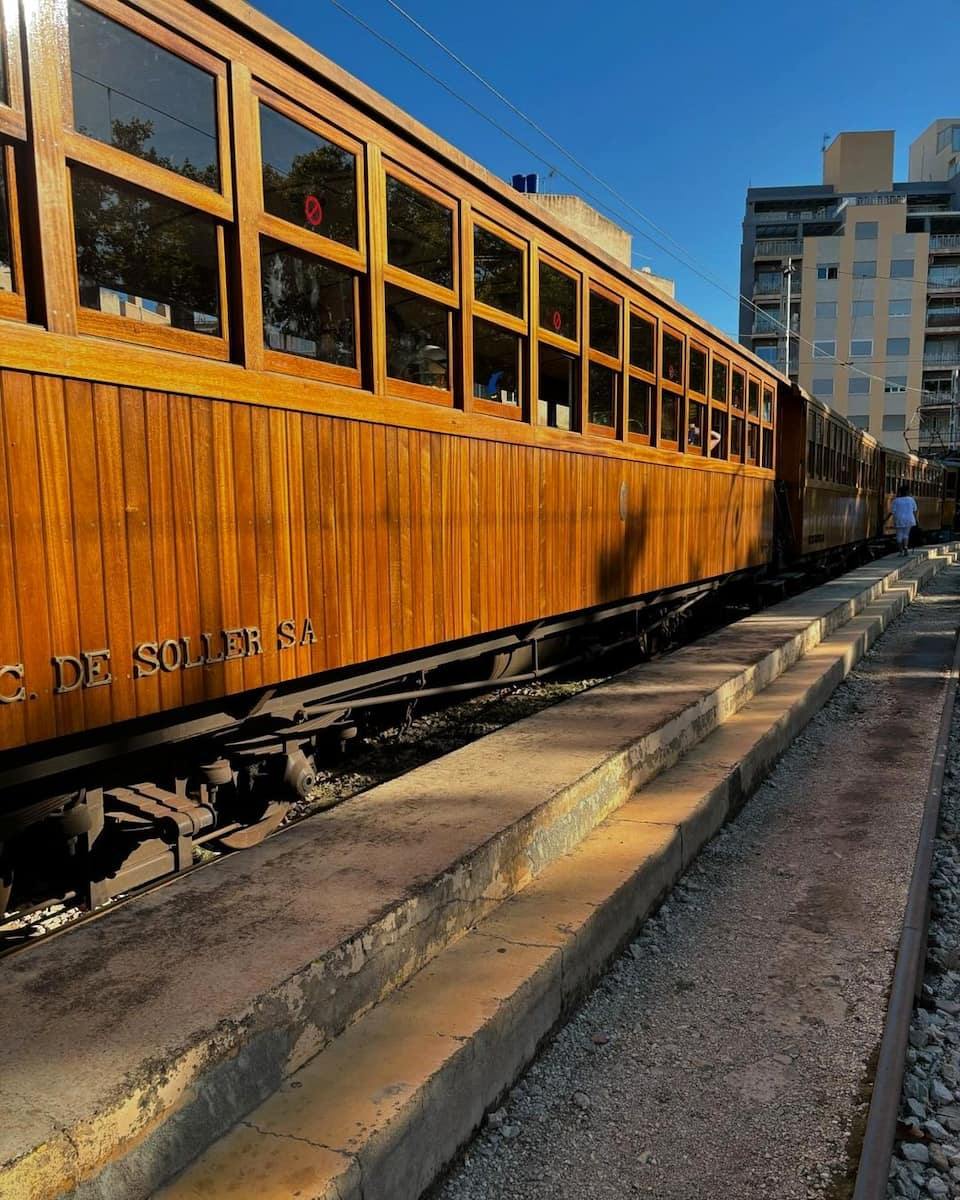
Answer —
288 385
832 476
925 478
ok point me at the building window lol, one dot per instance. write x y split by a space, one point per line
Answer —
948 136
898 308
307 180
901 268
419 233
865 270
861 308
117 79
865 231
825 349
898 347
827 270
861 348
767 353
895 383
858 385
858 421
894 423
823 387
825 310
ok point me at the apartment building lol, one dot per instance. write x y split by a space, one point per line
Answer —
874 285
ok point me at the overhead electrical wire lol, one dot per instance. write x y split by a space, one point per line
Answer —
682 255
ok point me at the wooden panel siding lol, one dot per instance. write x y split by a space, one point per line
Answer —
163 517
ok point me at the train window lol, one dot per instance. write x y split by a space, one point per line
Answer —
307 180
140 98
419 233
698 370
753 399
602 397
737 390
736 438
418 340
145 258
718 380
640 409
669 429
604 325
753 441
811 453
559 391
558 302
309 305
718 433
496 364
4 91
696 427
671 357
767 453
768 406
642 339
6 241
498 271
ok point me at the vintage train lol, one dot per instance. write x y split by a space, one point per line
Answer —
299 407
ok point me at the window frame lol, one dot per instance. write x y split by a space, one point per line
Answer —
118 167
424 289
721 406
13 120
641 374
13 304
476 310
13 133
601 358
316 245
543 336
672 386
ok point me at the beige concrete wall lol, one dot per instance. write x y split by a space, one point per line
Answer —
588 222
925 162
860 161
892 242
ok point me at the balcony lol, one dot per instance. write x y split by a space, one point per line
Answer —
943 281
939 318
948 357
945 241
876 198
776 248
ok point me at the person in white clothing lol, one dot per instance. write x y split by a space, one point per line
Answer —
903 511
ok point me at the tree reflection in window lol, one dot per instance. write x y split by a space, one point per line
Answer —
669 416
418 334
601 396
641 402
558 302
308 306
419 234
6 263
144 257
122 81
673 359
497 272
698 371
307 180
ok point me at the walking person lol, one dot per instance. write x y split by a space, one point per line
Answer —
903 512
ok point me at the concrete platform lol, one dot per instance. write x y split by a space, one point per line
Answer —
132 1043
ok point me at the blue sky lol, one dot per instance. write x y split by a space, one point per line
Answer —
680 107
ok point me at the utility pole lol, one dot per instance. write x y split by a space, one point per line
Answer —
788 272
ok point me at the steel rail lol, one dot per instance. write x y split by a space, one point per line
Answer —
880 1131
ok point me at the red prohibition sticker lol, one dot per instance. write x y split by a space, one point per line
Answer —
313 210
557 320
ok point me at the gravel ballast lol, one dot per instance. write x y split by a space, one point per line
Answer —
728 1052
